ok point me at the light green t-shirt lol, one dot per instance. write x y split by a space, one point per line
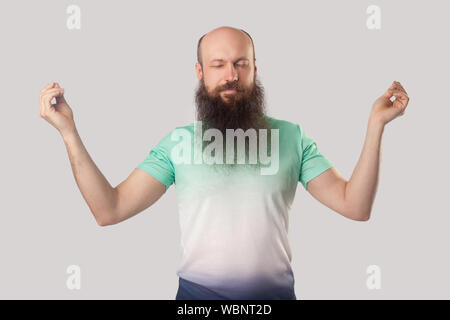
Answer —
234 223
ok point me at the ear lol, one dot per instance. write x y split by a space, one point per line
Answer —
199 71
256 68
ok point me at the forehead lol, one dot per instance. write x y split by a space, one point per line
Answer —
226 45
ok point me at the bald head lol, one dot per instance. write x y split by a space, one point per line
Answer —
229 94
209 41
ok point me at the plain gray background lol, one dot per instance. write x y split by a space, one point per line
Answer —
129 77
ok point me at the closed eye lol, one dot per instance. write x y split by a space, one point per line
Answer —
239 64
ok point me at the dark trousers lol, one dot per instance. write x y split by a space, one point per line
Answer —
188 290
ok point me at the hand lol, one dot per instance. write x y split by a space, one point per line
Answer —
59 115
385 110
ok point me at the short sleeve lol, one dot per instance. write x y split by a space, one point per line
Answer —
158 163
313 163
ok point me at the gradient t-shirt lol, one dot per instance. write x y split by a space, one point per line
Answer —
234 223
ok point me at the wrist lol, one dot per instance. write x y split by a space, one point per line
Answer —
69 134
376 121
376 124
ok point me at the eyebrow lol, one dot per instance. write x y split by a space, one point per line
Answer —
221 60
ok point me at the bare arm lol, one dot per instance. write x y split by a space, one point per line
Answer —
96 190
362 187
354 198
135 194
108 205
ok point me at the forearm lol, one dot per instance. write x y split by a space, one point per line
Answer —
96 190
361 188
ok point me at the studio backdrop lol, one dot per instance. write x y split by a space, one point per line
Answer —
127 69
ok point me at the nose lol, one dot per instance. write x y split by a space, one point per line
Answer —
231 73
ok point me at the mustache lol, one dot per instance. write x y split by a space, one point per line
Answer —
231 86
243 111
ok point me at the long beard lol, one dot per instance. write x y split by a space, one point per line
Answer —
243 110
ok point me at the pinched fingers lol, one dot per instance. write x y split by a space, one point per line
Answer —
44 91
46 97
48 86
397 85
401 100
397 90
397 93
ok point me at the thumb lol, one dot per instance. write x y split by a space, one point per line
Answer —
60 98
388 94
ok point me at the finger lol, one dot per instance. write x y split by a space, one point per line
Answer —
42 94
400 96
47 87
61 98
401 93
49 95
402 109
396 92
392 87
398 85
401 100
388 93
52 91
47 105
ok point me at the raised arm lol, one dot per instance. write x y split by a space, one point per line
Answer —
135 194
108 205
354 198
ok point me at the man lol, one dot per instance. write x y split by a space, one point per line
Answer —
234 222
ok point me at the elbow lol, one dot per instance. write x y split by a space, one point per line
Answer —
358 215
362 216
103 222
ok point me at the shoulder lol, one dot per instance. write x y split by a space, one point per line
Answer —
172 138
285 126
